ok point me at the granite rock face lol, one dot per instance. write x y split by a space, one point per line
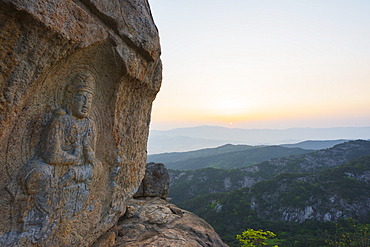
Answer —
152 221
156 181
77 81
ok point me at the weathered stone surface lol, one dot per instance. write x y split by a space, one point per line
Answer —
77 80
156 181
155 222
107 240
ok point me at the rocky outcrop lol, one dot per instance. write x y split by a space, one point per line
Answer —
308 197
152 221
156 181
77 81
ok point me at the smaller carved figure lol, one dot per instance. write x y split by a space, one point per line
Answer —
58 182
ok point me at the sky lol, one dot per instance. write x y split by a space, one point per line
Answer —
263 63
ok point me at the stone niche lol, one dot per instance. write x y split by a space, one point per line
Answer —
77 82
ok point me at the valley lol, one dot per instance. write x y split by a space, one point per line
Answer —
296 191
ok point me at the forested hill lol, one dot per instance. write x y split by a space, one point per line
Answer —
236 159
170 158
233 156
315 145
189 184
298 207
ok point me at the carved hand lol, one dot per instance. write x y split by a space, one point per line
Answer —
70 175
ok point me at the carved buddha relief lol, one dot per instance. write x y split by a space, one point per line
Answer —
59 180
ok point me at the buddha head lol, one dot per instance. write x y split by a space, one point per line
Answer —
80 93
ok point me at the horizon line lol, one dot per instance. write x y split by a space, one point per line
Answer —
218 126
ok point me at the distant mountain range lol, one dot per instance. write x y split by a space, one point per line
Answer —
189 184
315 145
226 157
232 156
187 139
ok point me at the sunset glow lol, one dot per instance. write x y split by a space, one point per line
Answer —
264 65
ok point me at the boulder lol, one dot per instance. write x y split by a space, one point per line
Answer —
152 221
156 181
77 82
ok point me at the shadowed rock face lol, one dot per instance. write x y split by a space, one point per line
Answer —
77 81
156 181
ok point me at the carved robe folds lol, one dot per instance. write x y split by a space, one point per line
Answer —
59 181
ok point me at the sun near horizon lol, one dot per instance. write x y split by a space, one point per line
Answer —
263 64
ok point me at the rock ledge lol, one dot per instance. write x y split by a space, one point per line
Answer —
152 221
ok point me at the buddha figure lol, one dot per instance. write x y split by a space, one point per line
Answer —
58 181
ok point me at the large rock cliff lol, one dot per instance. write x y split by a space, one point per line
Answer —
77 81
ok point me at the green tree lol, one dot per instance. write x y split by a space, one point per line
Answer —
357 235
253 238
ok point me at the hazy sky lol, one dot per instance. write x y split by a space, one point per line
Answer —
263 63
